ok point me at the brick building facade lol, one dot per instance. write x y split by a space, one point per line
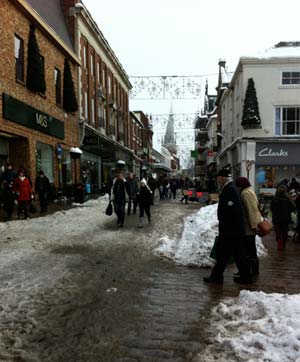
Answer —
103 100
34 126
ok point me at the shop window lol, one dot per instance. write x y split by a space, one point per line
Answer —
287 121
44 160
290 78
19 58
57 78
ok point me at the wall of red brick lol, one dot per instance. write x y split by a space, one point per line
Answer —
14 22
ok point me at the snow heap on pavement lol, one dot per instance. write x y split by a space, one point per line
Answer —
196 242
255 327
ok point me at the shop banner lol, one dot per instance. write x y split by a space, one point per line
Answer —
25 115
277 154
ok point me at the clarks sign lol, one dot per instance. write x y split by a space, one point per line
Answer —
278 154
25 115
268 152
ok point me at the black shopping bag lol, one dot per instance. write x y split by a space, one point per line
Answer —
109 209
213 252
32 208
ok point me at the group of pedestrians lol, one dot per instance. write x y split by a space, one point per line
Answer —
16 187
133 193
239 216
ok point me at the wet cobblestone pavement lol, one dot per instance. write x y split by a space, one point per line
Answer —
116 302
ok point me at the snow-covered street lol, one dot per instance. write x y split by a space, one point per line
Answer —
74 287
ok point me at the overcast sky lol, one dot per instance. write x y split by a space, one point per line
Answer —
176 37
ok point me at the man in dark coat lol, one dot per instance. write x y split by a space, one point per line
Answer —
119 198
152 184
132 190
7 180
42 188
231 232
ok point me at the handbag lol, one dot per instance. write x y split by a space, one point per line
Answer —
32 208
109 209
213 252
265 226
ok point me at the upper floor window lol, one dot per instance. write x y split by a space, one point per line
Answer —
290 78
92 64
109 85
57 79
103 77
85 56
287 121
19 58
98 72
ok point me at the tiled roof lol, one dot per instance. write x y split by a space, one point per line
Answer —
51 12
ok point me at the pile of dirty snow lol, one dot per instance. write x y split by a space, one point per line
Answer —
255 327
196 242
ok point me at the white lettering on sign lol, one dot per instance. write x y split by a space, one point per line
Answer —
41 120
268 152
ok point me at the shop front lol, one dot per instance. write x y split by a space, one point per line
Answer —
32 139
275 162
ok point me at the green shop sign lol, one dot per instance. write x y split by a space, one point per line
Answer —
19 112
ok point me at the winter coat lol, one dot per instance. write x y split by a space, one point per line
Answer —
132 188
42 185
152 183
173 185
119 191
230 213
251 212
282 207
144 196
8 176
22 188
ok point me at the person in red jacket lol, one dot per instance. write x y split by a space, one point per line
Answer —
23 191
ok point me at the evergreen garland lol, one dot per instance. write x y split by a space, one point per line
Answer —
251 117
69 96
35 80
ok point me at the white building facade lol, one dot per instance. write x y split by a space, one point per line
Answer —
268 152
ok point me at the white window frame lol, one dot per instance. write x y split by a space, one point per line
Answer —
92 64
279 122
85 56
98 72
291 78
109 85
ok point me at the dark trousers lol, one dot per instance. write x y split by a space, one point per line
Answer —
120 211
230 246
43 198
173 193
251 254
145 209
132 202
185 198
281 235
161 192
23 206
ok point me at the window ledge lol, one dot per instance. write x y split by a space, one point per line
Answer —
289 86
22 82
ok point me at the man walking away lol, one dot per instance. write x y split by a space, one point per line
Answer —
173 186
42 188
7 180
144 199
132 190
152 184
119 198
231 232
282 207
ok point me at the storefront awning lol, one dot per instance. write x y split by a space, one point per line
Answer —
159 166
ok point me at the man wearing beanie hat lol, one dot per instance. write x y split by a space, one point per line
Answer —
231 232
